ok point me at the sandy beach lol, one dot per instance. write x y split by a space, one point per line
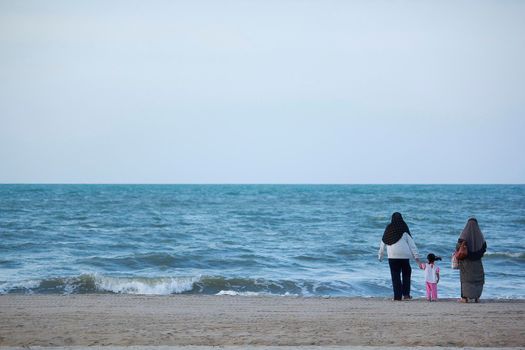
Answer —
180 320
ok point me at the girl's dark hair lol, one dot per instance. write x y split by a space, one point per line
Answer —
431 257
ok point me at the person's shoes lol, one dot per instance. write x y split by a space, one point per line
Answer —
476 300
407 298
463 300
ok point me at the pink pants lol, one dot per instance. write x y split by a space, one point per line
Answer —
432 291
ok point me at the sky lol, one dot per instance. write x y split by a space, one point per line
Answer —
262 91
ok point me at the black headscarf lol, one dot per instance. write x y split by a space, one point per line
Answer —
394 230
472 235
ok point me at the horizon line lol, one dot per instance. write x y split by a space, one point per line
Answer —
267 183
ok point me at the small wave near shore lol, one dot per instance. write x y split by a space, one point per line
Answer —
210 285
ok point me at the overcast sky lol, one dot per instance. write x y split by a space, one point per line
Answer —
262 91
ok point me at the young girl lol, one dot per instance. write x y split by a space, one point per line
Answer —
431 276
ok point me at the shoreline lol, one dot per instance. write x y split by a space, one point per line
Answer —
81 320
252 347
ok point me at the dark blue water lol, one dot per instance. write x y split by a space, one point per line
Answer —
253 239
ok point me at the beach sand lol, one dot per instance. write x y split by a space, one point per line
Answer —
179 320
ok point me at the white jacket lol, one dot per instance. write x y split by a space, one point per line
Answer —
405 248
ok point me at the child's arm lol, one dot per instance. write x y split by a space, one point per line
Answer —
437 275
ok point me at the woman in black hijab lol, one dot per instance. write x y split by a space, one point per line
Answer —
471 273
400 248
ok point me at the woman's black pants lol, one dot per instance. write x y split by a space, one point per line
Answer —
401 272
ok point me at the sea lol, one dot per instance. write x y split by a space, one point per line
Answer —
243 240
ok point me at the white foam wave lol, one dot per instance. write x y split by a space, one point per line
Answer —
507 254
6 287
251 294
150 286
234 293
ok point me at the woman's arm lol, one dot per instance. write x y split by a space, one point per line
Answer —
413 248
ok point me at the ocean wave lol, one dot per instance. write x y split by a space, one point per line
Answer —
93 283
136 261
9 264
514 255
211 285
151 286
249 294
317 258
217 284
13 287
